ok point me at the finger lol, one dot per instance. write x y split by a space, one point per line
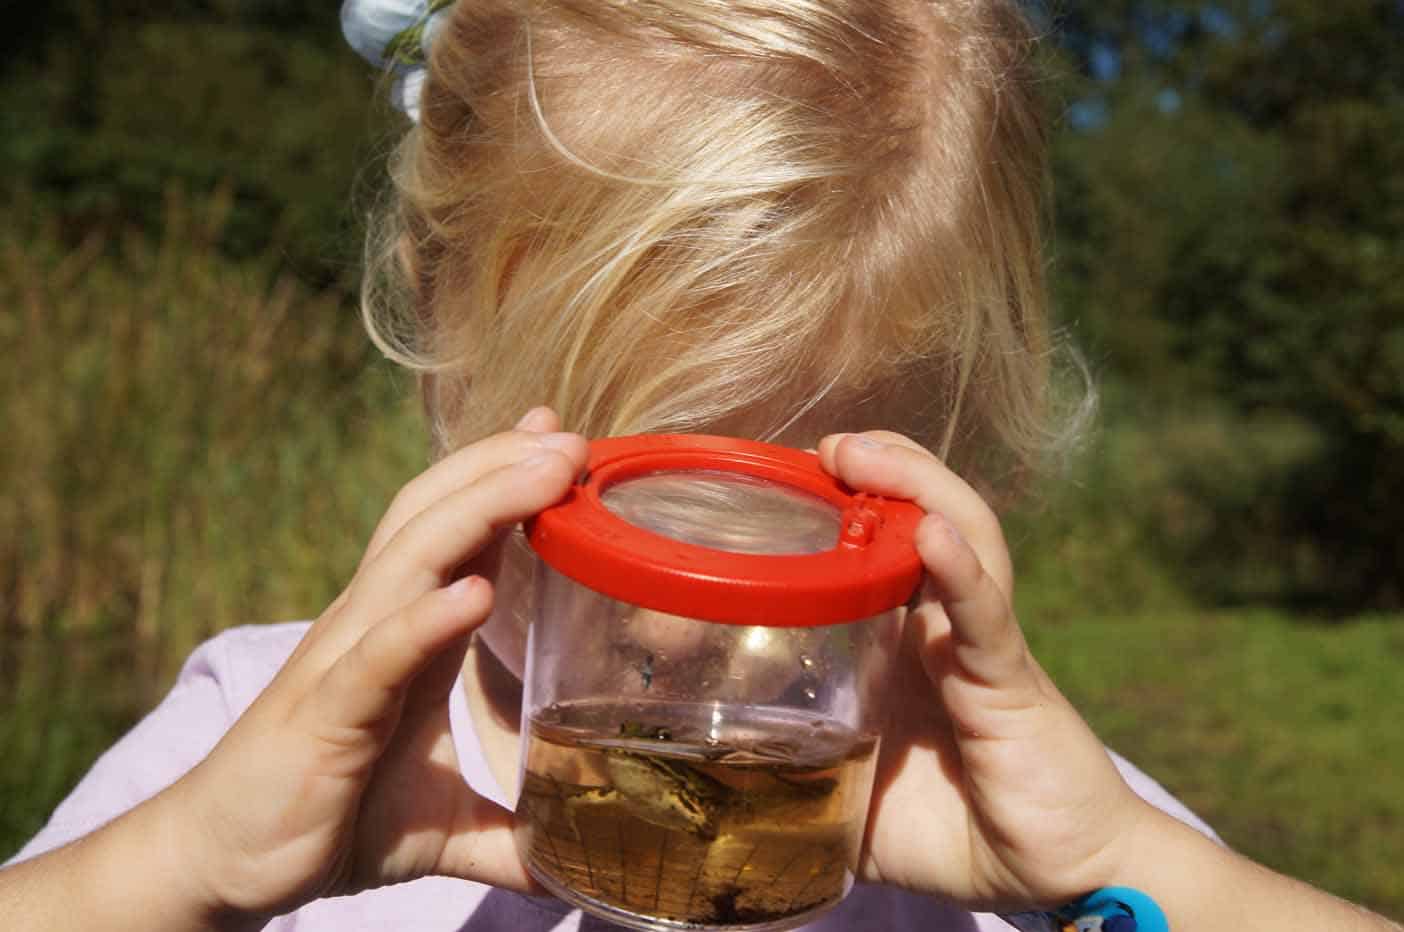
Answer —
1006 715
424 554
539 420
465 466
364 686
433 548
891 465
986 642
448 476
482 847
890 437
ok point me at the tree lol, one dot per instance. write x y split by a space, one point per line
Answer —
1238 229
107 105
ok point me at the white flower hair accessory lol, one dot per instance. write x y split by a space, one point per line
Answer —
395 35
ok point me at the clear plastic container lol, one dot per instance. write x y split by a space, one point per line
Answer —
712 623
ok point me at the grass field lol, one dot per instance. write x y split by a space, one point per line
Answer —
193 443
1283 734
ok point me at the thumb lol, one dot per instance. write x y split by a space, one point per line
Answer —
482 847
1047 797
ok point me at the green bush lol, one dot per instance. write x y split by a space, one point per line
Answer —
97 131
1164 508
1232 228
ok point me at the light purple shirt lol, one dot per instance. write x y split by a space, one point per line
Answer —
223 677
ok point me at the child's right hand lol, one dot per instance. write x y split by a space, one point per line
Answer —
991 789
342 775
993 792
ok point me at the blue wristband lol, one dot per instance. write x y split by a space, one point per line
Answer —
1110 909
1119 909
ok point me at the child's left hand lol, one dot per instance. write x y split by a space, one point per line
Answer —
990 790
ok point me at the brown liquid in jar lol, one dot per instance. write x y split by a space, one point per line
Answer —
651 810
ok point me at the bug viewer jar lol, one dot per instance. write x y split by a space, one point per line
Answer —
713 623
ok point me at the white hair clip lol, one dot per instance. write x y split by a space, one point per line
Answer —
395 35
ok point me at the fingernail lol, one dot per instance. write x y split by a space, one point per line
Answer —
528 418
950 530
559 441
866 443
461 588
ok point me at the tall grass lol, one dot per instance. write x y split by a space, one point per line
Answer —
189 443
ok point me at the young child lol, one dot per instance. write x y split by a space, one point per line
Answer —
778 219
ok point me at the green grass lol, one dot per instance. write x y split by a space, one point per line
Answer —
1284 735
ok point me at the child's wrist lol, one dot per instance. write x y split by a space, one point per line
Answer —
1173 864
1130 870
193 875
135 872
1125 835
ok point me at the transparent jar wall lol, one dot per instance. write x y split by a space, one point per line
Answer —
584 646
590 646
688 774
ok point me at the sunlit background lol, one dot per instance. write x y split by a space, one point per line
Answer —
196 433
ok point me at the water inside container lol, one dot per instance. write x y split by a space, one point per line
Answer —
726 511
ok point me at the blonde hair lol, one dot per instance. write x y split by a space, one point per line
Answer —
768 218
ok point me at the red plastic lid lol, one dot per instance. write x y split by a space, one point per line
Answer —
867 565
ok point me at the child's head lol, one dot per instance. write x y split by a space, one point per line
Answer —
776 218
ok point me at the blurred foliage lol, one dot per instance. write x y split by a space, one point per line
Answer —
138 419
1164 510
1231 204
192 442
109 104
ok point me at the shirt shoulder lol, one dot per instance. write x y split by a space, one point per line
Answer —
242 661
219 680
